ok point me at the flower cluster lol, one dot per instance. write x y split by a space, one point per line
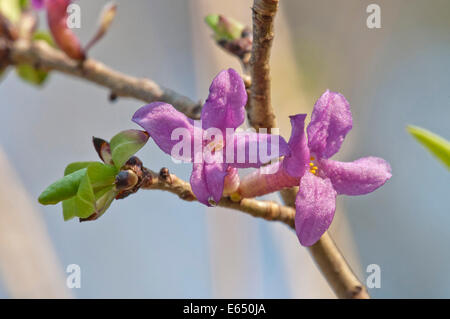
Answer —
305 158
223 110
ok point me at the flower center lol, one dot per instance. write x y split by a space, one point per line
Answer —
312 166
214 146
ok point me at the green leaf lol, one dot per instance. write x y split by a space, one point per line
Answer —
31 75
44 36
75 166
69 208
78 207
101 175
103 202
213 20
11 9
437 145
62 189
24 4
126 144
85 198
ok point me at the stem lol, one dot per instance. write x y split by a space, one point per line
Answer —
40 54
260 111
261 209
330 261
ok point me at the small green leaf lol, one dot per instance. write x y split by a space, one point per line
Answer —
103 202
44 36
75 166
11 9
81 206
437 145
24 4
31 75
85 198
62 189
101 175
126 144
69 208
212 20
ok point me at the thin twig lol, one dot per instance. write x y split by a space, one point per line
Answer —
260 111
261 209
39 53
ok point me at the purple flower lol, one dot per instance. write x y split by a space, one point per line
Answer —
38 4
223 112
321 179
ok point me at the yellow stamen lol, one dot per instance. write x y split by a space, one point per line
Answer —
215 146
311 164
312 158
235 197
313 171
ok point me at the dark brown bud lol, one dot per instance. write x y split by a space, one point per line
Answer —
246 33
134 161
126 180
113 97
164 174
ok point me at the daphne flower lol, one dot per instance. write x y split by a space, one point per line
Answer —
320 178
224 111
57 16
331 120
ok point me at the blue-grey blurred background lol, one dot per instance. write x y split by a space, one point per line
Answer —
153 245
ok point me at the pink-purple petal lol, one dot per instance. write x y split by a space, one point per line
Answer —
38 4
356 178
64 37
297 163
207 181
331 120
256 149
315 206
161 120
225 106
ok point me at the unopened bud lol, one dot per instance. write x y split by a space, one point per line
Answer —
27 25
66 40
224 28
126 180
134 161
106 18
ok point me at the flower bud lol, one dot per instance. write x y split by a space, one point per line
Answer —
126 180
224 28
106 18
57 20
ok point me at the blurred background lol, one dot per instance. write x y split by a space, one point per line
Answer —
153 245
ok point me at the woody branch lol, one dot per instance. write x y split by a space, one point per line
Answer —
324 252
